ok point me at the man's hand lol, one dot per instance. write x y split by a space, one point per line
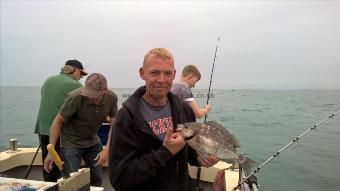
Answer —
48 163
207 161
208 108
174 142
101 158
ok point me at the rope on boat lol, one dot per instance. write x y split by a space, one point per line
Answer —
278 152
198 176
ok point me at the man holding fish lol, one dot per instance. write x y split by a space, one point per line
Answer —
146 152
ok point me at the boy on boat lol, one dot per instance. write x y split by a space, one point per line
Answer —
190 76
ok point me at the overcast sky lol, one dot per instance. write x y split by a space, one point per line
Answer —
264 44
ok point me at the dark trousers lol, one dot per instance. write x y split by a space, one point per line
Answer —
72 158
54 174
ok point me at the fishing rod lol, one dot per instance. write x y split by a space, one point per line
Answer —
211 75
198 176
28 170
277 153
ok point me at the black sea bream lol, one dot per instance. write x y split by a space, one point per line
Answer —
211 138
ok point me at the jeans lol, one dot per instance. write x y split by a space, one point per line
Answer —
54 174
72 158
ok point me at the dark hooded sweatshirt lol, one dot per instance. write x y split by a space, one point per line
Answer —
138 160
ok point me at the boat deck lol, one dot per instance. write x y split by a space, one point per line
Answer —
14 165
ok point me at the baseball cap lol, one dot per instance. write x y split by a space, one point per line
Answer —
75 63
94 85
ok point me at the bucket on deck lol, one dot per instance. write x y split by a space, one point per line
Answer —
103 132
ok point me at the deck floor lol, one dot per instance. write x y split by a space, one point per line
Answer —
36 174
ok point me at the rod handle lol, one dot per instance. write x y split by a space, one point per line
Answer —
55 157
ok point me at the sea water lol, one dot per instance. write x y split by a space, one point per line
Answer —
262 120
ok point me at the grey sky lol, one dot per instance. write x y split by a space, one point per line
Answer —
264 44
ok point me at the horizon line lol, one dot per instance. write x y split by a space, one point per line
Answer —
194 89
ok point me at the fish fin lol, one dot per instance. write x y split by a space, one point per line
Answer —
213 123
232 138
235 141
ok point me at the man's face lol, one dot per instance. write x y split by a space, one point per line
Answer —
192 80
158 75
97 100
77 74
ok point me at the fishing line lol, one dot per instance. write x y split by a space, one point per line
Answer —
198 176
321 123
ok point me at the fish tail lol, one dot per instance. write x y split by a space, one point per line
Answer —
247 163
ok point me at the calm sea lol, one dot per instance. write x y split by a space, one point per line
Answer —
262 120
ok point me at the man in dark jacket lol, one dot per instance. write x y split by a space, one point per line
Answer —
146 152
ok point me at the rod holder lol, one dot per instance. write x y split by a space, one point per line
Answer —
13 145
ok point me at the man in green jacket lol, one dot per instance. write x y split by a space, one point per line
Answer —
53 93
